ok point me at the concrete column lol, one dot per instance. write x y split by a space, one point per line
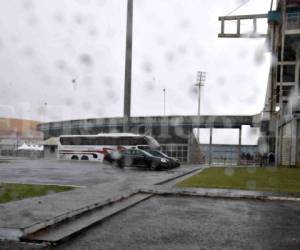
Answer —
293 153
210 145
189 146
128 62
239 146
277 145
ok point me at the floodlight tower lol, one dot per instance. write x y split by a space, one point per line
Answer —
128 65
201 76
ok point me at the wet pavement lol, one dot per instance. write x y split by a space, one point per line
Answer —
79 173
170 220
197 223
105 184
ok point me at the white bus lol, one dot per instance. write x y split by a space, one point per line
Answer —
95 147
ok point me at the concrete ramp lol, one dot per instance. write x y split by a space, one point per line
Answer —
65 229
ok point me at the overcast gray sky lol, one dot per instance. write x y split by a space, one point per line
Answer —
44 45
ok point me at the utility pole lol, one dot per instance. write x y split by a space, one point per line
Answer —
128 65
201 76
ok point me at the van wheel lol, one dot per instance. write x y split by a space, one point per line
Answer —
75 157
84 158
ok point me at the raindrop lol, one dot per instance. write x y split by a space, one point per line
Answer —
79 18
229 171
251 184
83 1
99 112
221 81
41 110
59 17
193 91
224 97
61 65
86 106
251 170
88 81
182 49
184 24
1 44
69 101
170 57
274 60
29 51
147 67
272 170
101 2
93 31
108 81
25 213
27 5
14 39
241 1
110 33
243 53
263 148
46 80
259 56
32 21
161 41
86 60
50 192
111 95
150 85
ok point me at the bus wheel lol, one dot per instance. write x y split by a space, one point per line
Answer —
84 158
75 157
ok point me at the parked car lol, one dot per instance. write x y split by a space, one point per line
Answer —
173 161
140 158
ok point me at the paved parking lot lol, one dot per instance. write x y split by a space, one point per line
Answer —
80 173
162 222
197 223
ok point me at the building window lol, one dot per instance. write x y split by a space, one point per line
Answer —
289 73
293 20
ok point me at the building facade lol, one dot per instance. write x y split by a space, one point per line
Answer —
280 118
281 115
16 132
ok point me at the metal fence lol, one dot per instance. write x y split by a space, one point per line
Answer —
178 151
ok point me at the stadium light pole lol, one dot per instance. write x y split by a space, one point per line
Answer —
128 65
201 76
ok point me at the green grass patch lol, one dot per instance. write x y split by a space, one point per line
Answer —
247 178
12 192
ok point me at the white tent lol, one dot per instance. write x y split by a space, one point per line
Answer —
24 147
31 147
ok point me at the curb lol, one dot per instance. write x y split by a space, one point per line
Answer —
178 176
208 194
